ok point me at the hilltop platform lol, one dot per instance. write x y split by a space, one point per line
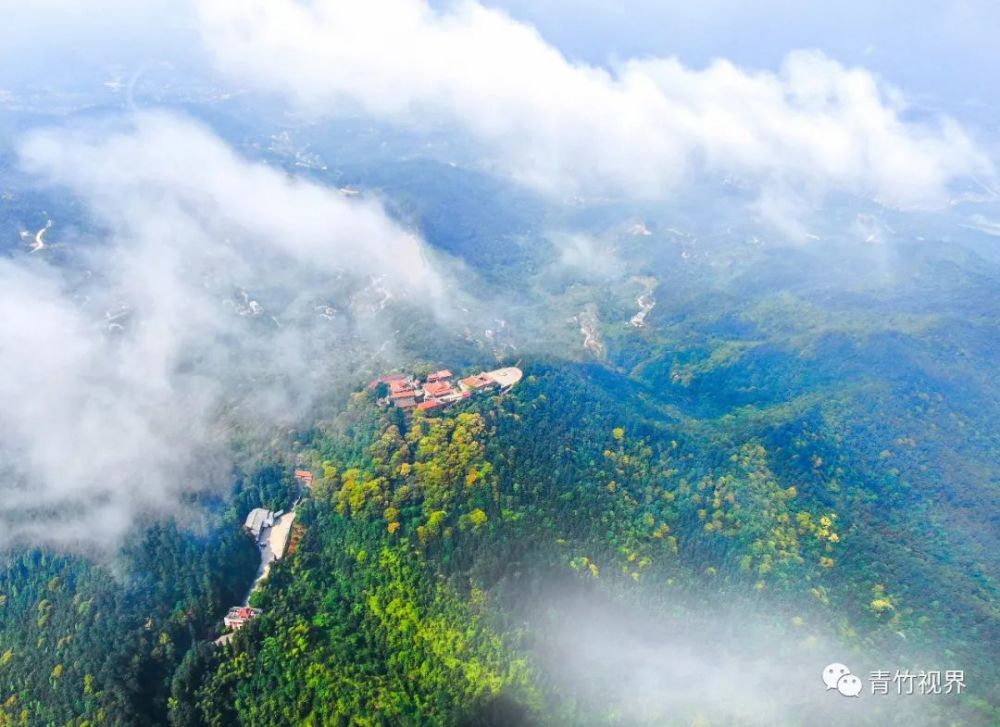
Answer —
438 390
506 377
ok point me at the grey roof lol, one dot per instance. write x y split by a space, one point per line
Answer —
256 520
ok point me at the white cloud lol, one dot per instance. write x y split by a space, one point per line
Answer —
638 129
119 379
585 256
152 180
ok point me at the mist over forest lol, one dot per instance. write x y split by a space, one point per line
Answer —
744 264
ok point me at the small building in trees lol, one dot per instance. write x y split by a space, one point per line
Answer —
436 389
238 617
258 519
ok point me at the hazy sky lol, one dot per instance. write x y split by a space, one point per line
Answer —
939 50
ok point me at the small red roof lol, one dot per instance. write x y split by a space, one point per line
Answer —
429 404
439 375
477 381
437 389
387 379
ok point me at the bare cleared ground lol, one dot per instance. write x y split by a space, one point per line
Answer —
506 377
272 544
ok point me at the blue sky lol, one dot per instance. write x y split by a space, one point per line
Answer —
939 50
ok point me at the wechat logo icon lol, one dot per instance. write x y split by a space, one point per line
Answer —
839 677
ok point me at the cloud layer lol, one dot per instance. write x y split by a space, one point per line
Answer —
219 282
638 129
215 283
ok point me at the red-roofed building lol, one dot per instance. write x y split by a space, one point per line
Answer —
437 389
478 381
387 379
442 375
401 391
428 405
239 615
305 477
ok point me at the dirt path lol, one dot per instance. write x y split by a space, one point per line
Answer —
39 243
646 304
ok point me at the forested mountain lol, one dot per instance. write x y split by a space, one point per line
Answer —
448 567
775 471
446 561
757 314
88 642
